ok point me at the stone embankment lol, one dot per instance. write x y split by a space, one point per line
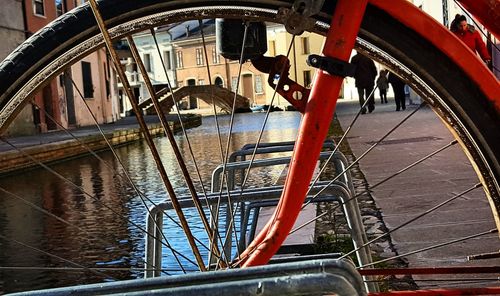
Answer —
20 153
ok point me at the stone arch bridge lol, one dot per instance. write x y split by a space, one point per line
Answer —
222 97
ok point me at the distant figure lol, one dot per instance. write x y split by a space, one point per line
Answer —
470 36
383 85
398 86
365 77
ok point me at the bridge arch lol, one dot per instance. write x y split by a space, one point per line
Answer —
222 97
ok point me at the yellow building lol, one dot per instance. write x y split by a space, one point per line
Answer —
279 42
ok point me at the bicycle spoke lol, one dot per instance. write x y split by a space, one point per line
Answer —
432 247
154 151
369 149
215 216
266 117
169 134
141 195
454 142
211 232
34 160
337 146
172 141
228 143
476 186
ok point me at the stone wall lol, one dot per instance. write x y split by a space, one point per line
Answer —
15 160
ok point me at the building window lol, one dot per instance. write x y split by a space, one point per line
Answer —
88 87
147 62
258 84
199 57
79 2
59 7
167 60
307 78
215 56
180 64
38 7
234 83
305 45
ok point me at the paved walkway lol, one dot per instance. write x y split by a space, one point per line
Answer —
422 187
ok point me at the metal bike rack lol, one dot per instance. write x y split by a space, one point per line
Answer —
339 161
155 217
336 193
265 148
231 168
312 277
339 191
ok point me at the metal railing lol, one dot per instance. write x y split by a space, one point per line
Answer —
340 191
312 277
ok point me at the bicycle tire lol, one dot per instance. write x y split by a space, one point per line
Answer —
79 24
477 116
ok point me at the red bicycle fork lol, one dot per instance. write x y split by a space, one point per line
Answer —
318 114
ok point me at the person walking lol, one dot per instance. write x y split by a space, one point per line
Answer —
398 86
383 85
470 36
364 77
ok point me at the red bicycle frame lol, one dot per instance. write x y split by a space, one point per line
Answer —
322 100
317 117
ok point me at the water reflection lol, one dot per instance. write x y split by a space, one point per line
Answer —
104 210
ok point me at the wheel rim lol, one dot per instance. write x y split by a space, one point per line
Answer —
442 108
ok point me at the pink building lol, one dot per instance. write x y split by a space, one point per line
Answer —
59 104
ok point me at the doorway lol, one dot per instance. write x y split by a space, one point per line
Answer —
193 101
69 94
48 104
248 87
219 82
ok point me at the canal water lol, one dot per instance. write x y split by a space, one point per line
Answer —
104 211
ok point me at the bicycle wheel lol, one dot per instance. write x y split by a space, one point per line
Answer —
446 89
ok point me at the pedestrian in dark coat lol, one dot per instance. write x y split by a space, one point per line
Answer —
365 80
398 86
383 85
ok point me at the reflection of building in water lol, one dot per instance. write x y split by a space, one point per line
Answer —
20 222
100 230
